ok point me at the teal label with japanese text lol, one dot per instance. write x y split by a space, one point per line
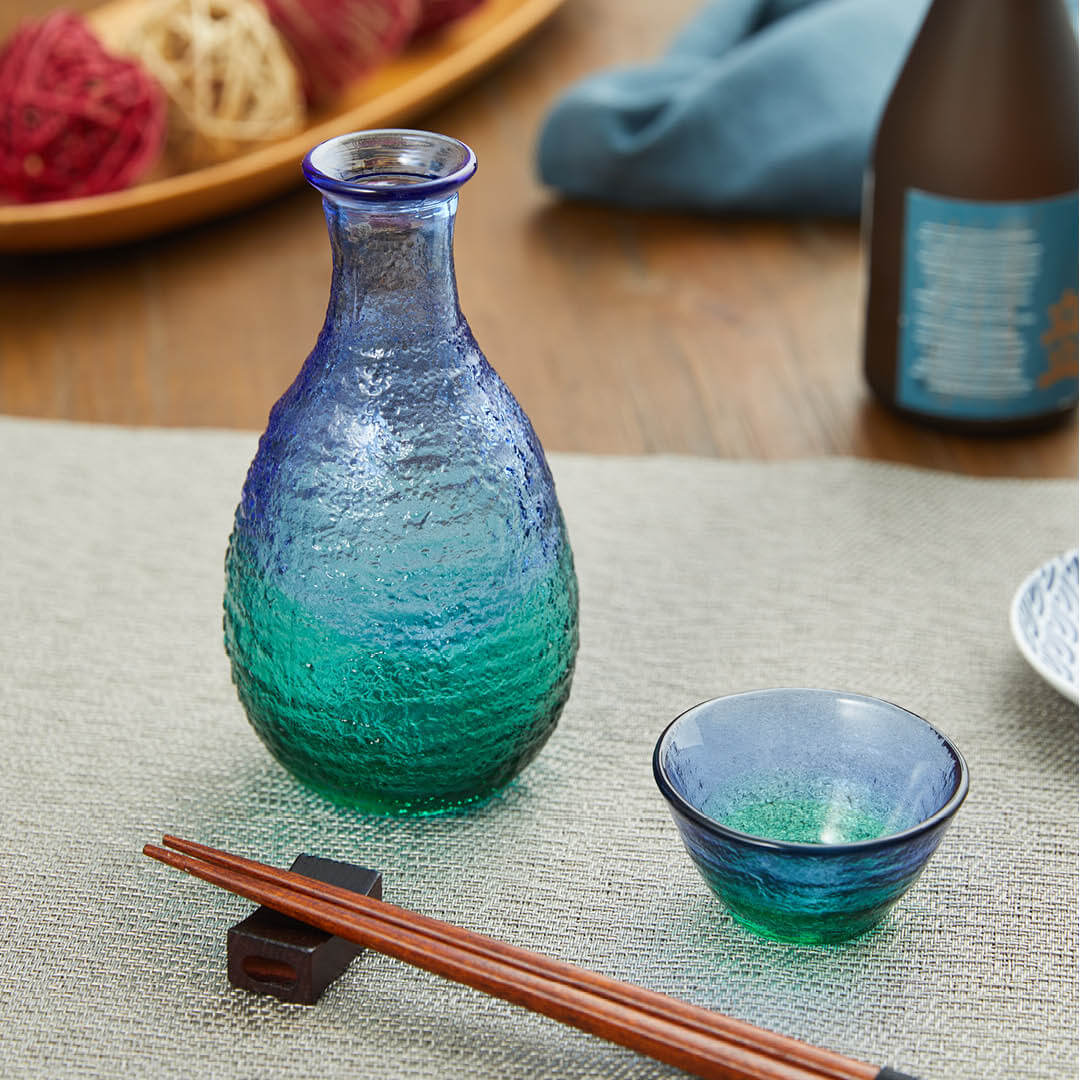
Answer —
988 307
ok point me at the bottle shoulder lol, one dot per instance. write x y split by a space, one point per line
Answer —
348 439
984 108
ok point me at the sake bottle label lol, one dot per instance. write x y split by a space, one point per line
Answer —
988 307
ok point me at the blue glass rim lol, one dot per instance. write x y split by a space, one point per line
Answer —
324 165
710 825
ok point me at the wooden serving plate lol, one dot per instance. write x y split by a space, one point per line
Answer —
406 85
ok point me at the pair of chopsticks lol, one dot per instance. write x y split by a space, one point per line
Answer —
675 1032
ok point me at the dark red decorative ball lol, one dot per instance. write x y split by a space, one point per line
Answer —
334 42
435 14
73 119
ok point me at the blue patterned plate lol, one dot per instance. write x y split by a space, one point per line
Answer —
1044 622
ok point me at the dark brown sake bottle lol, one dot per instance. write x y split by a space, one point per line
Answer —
970 221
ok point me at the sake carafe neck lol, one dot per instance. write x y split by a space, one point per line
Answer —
393 274
390 199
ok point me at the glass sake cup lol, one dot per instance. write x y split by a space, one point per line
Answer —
808 812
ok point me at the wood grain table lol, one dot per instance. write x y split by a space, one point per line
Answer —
619 332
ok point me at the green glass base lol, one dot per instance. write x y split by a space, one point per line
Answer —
412 724
800 928
422 806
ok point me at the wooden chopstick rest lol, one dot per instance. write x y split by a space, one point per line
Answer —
271 953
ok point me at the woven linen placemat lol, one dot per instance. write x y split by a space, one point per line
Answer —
698 578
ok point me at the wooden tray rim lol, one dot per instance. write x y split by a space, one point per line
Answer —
185 198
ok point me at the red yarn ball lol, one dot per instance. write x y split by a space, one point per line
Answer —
336 41
435 14
73 119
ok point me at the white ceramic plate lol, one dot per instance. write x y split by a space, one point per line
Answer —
1044 622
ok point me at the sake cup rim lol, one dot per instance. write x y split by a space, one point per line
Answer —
710 825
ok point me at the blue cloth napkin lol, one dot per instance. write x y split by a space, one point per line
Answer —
760 106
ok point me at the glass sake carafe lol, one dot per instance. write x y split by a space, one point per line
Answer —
400 604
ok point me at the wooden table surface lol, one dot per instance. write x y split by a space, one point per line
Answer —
619 332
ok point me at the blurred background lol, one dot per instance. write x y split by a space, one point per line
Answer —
619 330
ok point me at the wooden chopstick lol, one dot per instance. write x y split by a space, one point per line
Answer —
666 1040
672 1031
826 1063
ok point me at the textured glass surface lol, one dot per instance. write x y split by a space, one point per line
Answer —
401 605
808 812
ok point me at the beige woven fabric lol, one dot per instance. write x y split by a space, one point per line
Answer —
698 578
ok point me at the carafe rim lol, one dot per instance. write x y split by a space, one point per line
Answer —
389 166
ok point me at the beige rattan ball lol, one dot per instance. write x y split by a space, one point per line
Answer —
230 82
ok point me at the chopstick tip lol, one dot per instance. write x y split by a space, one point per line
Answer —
162 855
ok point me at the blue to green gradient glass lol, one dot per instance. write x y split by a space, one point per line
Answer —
808 812
400 605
